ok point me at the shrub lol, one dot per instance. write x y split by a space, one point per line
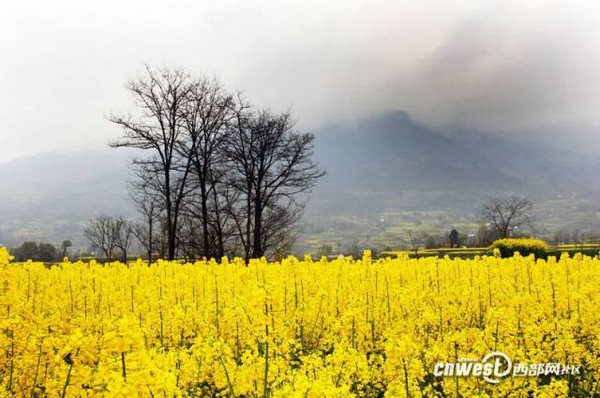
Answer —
508 247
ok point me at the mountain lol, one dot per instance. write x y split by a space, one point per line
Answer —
389 167
395 154
49 196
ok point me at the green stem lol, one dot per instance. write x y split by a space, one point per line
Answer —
266 385
123 366
230 386
37 369
12 360
67 381
406 378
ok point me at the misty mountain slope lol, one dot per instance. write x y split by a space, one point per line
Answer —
382 164
425 168
564 168
49 196
394 153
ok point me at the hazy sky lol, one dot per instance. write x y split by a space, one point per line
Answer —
520 67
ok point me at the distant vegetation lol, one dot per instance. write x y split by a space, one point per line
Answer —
507 247
41 251
470 252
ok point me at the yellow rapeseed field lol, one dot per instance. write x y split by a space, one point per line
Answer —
303 328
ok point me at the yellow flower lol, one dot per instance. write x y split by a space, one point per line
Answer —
5 256
338 328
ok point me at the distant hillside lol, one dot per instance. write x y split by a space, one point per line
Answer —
395 154
49 196
389 167
389 174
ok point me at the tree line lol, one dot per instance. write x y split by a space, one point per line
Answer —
42 251
214 176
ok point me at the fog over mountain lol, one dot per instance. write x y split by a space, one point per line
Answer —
49 197
394 152
527 70
386 163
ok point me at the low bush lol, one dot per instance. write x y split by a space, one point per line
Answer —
525 246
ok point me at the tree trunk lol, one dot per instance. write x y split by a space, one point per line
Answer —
248 224
204 209
170 238
257 251
218 227
170 222
150 238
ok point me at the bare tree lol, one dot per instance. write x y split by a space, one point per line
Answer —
145 194
101 234
162 98
578 238
109 235
560 237
124 233
273 168
218 177
208 116
415 240
507 215
485 236
279 235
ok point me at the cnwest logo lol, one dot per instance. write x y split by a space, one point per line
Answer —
496 365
